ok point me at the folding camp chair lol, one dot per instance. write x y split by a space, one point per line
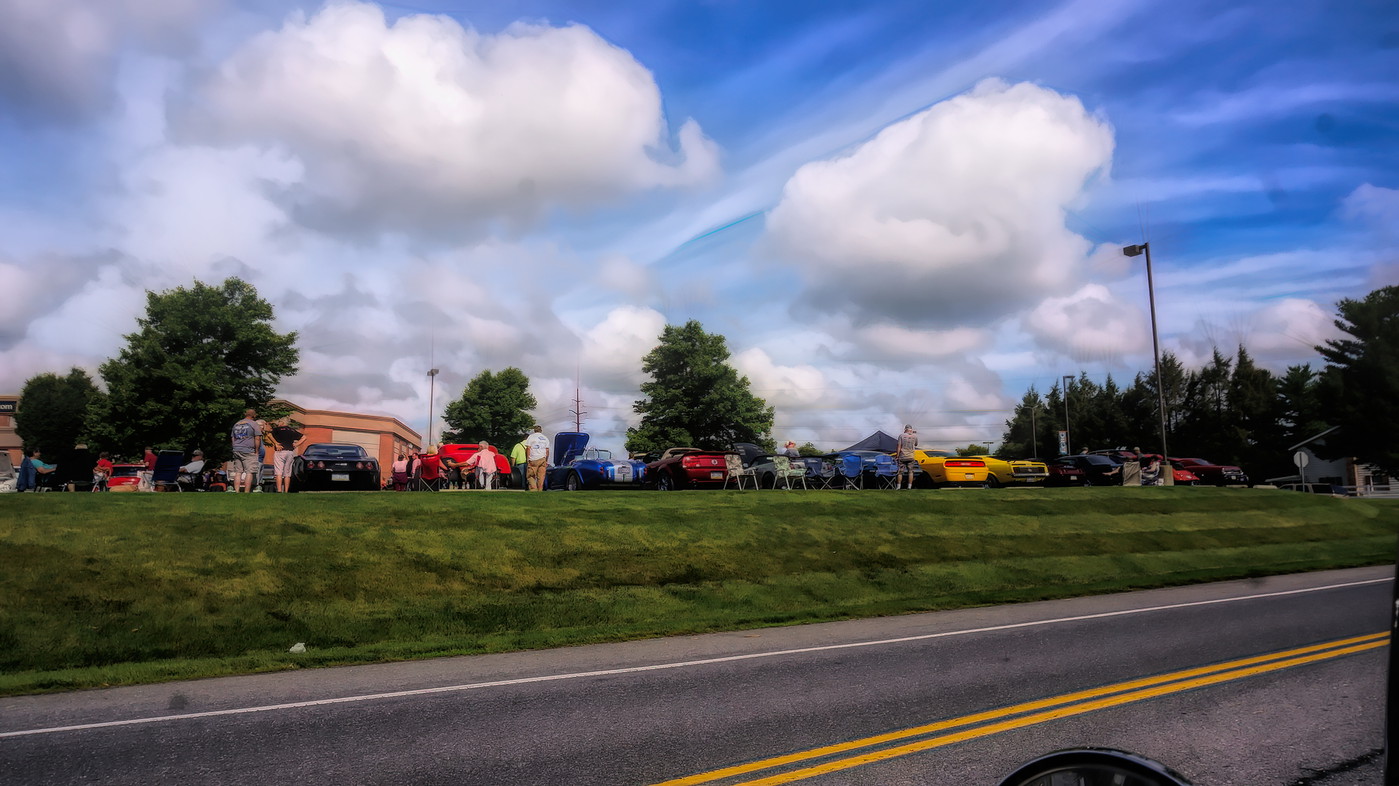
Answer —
784 472
166 475
886 471
429 474
737 472
852 470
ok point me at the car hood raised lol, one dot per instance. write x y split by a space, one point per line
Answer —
567 445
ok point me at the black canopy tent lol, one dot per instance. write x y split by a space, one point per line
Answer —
877 441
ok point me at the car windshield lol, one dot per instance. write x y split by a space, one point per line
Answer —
352 452
126 470
597 454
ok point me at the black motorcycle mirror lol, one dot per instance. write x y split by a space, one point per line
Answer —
1093 767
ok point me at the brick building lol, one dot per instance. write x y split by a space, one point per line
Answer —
383 437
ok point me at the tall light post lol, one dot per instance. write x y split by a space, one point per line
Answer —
1034 435
431 392
1067 379
1132 251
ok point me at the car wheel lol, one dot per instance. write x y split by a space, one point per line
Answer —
574 483
992 482
665 482
767 480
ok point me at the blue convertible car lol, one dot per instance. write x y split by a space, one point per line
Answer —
582 467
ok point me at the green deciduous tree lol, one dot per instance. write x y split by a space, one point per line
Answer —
202 355
1360 383
53 411
494 407
810 450
695 398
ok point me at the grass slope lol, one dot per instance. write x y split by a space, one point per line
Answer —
120 589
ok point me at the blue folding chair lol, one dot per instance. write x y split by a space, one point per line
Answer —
167 470
852 469
886 471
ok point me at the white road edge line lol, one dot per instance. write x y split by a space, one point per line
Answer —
676 665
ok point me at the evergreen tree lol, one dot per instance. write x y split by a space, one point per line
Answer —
493 407
695 398
1360 383
53 410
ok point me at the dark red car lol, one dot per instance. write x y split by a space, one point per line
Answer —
1064 475
682 468
1215 474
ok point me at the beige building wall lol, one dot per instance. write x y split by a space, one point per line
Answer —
383 437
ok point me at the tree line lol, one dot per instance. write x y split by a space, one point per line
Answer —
1231 411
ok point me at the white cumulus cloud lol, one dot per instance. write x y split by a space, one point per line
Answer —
952 216
1089 324
425 125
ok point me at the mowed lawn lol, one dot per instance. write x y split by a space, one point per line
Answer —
104 589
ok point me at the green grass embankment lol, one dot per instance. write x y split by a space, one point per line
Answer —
119 589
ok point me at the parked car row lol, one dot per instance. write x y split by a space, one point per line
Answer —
576 466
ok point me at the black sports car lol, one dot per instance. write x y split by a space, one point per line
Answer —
334 466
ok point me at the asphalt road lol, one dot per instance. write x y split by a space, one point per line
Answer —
1271 681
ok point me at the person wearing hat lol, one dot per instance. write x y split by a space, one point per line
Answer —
908 443
537 453
790 450
190 472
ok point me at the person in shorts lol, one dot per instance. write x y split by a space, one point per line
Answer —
287 438
246 466
908 462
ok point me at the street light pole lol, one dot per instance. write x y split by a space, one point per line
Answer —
431 392
1132 251
1067 379
1034 435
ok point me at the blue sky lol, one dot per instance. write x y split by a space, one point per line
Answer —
895 212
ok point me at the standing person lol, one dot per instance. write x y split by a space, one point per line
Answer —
484 462
790 450
537 453
246 466
286 439
149 460
102 472
519 455
908 443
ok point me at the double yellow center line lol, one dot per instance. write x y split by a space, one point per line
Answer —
856 753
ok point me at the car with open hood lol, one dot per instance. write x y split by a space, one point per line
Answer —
580 467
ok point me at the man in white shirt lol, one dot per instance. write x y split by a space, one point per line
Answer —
537 454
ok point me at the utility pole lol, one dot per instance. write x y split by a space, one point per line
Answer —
578 412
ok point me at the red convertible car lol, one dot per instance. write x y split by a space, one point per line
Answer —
681 468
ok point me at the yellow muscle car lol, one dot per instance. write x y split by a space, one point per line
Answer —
1016 472
946 468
